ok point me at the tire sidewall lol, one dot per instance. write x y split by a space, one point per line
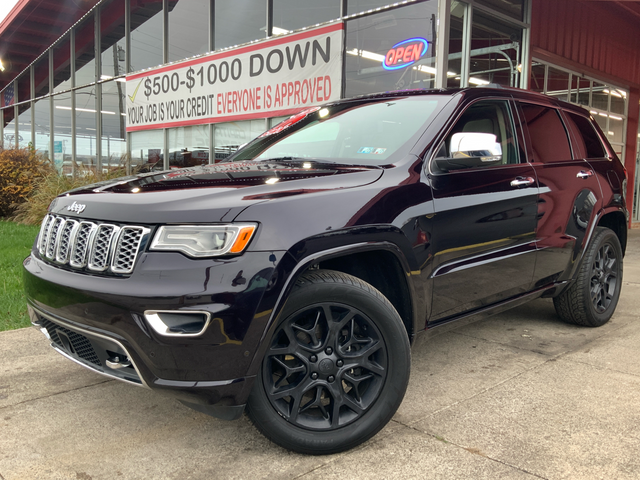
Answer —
384 316
603 236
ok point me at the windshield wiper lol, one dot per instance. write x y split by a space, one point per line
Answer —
322 161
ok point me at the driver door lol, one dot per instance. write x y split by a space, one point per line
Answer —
485 218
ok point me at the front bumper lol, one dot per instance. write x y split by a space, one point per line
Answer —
99 322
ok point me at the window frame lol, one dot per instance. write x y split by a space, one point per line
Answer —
444 133
527 135
583 155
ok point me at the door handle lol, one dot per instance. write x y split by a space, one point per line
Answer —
584 174
522 181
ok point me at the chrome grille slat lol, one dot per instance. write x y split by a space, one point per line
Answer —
94 246
44 230
66 236
81 244
101 247
126 249
52 238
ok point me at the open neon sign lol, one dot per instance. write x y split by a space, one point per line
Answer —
405 53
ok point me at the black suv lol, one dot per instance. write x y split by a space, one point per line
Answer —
292 279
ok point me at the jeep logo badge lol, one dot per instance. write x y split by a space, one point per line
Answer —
76 207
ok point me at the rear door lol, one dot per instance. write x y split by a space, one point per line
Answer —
485 219
569 192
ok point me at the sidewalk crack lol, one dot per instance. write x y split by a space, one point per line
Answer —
53 395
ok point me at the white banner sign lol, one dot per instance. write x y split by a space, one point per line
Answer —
279 76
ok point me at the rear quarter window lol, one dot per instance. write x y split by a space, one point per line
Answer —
586 135
548 137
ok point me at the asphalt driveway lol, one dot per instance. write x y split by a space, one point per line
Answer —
517 396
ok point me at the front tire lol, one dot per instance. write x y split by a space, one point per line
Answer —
336 369
592 298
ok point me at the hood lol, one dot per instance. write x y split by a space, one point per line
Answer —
209 193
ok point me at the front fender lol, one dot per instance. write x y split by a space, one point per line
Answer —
305 255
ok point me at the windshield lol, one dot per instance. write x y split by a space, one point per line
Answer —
371 133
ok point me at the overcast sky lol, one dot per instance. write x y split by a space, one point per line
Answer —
5 7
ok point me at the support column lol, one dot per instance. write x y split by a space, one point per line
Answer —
631 147
442 43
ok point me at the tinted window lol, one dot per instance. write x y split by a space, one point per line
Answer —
549 141
587 135
489 116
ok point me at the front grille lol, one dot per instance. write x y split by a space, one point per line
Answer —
95 246
79 345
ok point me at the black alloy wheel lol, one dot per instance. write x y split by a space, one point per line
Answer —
604 277
326 366
336 368
593 296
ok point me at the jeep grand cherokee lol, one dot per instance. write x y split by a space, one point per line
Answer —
292 279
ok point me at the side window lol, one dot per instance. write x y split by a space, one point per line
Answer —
587 135
487 116
549 141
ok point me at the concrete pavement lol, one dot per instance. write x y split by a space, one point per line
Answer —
517 396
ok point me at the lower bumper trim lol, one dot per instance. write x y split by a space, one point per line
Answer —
223 412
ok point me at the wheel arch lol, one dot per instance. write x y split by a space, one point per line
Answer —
343 259
383 270
616 220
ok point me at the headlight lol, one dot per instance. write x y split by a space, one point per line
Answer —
204 240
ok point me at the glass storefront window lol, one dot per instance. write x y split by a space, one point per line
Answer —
618 100
615 131
558 83
113 124
62 133
188 28
146 149
357 6
228 137
293 14
371 40
41 75
62 65
583 91
24 128
10 140
112 42
146 35
239 22
495 51
513 8
24 87
188 146
42 126
85 57
600 98
86 126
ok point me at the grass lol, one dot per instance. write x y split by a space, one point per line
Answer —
15 244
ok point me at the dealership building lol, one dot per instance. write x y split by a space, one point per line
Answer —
172 83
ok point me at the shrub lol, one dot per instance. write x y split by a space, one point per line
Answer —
20 169
50 186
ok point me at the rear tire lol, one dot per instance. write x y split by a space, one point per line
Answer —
592 298
336 369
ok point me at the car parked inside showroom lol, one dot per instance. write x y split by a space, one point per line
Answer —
291 280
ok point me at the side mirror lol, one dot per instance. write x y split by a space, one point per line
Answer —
471 149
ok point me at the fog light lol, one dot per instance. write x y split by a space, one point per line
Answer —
172 323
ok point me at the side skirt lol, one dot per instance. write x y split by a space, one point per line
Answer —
450 323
